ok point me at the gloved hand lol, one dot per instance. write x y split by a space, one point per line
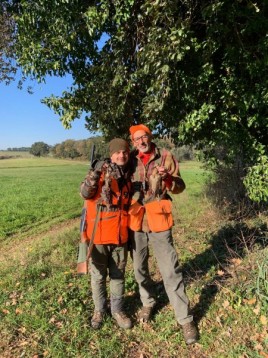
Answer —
100 165
92 178
89 186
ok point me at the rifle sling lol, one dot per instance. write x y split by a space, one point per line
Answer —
91 242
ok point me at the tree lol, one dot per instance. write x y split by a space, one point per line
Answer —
194 69
81 149
8 67
39 149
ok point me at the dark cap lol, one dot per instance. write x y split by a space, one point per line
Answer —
118 144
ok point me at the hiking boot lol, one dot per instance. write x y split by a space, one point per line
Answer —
122 320
97 319
190 333
145 314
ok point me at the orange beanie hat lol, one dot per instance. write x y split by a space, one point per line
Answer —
139 127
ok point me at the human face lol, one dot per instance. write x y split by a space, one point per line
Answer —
120 158
142 141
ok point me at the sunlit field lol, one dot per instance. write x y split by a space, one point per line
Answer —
37 192
45 308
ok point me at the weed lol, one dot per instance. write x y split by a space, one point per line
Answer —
262 280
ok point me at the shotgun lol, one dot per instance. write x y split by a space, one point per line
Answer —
83 248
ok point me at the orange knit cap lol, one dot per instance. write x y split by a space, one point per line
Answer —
139 127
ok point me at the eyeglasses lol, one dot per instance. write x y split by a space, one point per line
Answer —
136 140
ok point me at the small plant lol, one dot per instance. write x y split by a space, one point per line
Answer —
262 280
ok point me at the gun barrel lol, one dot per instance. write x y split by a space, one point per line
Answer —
92 154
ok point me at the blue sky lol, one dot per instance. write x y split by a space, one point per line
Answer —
24 120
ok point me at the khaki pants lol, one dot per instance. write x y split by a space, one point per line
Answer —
167 260
108 260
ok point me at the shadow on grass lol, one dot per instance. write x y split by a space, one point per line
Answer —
231 241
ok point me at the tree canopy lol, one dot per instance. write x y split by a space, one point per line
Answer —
81 149
194 69
39 149
8 67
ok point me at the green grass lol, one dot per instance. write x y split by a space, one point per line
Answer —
37 193
186 204
45 308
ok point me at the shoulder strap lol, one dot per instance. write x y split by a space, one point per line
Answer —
91 242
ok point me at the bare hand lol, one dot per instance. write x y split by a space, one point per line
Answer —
162 171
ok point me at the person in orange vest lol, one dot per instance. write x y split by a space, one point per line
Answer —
155 173
106 191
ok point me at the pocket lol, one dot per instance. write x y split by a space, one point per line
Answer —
159 215
106 229
135 216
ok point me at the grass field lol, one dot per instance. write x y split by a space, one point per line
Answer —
38 192
14 154
45 308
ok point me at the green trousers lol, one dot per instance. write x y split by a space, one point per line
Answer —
167 260
108 260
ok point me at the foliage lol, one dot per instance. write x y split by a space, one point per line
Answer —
39 149
7 63
226 186
18 149
195 69
257 180
181 153
81 149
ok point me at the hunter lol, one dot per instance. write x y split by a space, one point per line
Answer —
155 173
106 191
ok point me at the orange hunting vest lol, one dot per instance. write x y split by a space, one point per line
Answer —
159 215
158 212
111 227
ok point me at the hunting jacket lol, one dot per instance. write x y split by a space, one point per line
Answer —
106 209
149 208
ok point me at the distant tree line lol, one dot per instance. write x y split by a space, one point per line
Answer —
19 149
81 149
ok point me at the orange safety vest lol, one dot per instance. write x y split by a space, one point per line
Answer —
159 215
158 212
111 227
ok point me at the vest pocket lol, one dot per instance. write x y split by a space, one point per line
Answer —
135 216
159 215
